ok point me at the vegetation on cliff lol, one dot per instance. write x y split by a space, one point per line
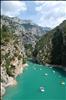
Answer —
28 31
12 57
51 48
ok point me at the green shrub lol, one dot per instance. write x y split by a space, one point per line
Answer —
24 60
16 54
19 57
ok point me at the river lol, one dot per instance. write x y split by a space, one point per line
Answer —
34 77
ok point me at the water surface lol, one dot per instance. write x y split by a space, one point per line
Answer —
29 83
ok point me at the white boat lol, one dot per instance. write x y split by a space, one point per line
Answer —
53 71
63 83
42 89
40 69
46 74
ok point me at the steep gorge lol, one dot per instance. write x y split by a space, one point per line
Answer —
21 39
18 38
51 48
28 31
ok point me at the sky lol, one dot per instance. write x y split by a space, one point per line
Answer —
43 13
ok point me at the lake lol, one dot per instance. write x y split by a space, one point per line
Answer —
34 77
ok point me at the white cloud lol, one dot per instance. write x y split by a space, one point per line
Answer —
12 8
45 13
39 2
52 12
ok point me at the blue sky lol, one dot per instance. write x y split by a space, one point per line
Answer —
43 13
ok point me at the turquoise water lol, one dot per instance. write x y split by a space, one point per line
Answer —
29 83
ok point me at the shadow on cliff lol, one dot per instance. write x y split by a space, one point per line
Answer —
57 51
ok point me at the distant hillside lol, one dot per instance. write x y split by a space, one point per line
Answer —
26 26
51 48
26 29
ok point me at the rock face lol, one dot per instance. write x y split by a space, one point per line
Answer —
19 25
6 80
26 29
17 38
51 48
2 90
12 57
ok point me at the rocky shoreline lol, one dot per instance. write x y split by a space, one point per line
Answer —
11 81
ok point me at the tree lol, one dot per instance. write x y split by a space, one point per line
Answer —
57 42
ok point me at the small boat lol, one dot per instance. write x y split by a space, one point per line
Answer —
53 71
40 69
46 74
42 89
63 83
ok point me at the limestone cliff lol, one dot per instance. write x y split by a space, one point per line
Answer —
26 29
12 57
